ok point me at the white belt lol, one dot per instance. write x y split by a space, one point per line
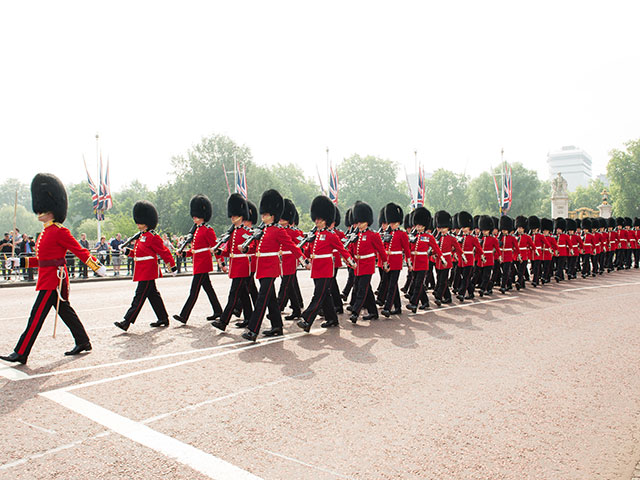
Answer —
587 244
397 252
369 255
239 255
267 254
324 255
200 250
421 253
487 251
285 253
467 251
524 248
507 249
562 246
448 253
139 259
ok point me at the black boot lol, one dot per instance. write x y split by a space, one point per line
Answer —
14 357
180 319
85 347
124 325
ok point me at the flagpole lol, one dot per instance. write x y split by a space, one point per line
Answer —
98 177
328 172
235 171
501 180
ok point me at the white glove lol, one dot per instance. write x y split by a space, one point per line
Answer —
102 271
12 262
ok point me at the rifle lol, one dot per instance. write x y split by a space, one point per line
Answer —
386 235
257 234
350 237
311 236
224 238
187 240
131 240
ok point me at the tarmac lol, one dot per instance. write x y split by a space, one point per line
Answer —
541 383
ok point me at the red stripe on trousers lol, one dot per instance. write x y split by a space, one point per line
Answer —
36 320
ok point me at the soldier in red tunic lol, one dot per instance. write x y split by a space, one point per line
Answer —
575 247
271 240
287 292
489 255
320 250
509 248
49 202
398 250
146 269
202 240
470 249
337 263
525 251
449 246
239 262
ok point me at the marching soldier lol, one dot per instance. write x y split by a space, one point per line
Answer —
398 250
561 247
239 262
509 247
337 263
449 246
321 246
525 250
148 246
381 291
351 279
202 242
471 249
49 203
490 251
575 247
287 285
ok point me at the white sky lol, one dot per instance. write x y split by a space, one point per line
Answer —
456 80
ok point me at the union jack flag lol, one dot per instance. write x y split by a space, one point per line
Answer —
333 185
421 188
107 201
507 197
241 183
94 191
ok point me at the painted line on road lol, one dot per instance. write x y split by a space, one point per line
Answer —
205 463
13 374
45 430
605 285
339 475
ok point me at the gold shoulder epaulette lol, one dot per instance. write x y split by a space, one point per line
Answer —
59 225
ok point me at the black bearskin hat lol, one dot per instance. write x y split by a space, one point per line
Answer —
636 222
496 222
485 222
145 213
560 223
322 207
534 222
454 221
620 222
393 213
609 222
628 222
586 223
272 203
253 212
422 216
362 212
381 217
521 221
200 206
337 218
465 220
476 219
546 224
348 220
48 195
411 223
443 219
296 218
571 225
289 211
505 223
407 221
578 223
237 206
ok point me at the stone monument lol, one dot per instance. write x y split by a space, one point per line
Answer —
604 207
559 197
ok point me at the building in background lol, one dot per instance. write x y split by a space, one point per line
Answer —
573 163
604 179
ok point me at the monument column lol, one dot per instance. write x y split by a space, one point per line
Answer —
604 207
559 197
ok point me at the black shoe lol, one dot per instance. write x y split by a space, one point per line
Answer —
460 297
448 300
370 316
333 323
518 287
219 325
274 332
303 325
557 279
14 357
407 296
398 311
481 293
85 347
353 317
470 296
252 337
344 297
503 290
124 325
534 284
211 318
237 313
293 316
180 319
424 306
412 308
160 323
438 302
380 303
339 311
349 308
385 312
242 324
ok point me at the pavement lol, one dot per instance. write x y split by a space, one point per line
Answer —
541 383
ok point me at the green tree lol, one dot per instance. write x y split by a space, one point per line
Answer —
482 195
446 190
589 196
80 204
26 221
370 179
8 190
623 171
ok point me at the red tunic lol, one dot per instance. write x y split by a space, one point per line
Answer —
588 243
526 248
398 249
612 243
203 239
239 262
420 250
540 245
471 249
623 239
575 245
321 253
633 239
552 249
274 240
449 245
145 255
509 248
337 259
51 247
364 252
289 261
563 245
490 250
600 242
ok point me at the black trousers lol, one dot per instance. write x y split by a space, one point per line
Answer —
363 296
536 271
322 298
485 277
200 280
351 280
393 294
335 293
561 262
442 291
521 267
430 280
408 281
266 299
383 286
82 270
287 293
44 301
418 290
572 266
586 264
466 285
238 296
547 267
146 289
506 274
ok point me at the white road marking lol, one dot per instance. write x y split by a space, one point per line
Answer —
606 285
224 397
45 430
339 475
13 374
205 463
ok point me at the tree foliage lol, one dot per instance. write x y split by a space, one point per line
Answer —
623 171
26 220
8 190
589 196
446 190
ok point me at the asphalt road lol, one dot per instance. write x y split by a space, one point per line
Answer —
539 384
